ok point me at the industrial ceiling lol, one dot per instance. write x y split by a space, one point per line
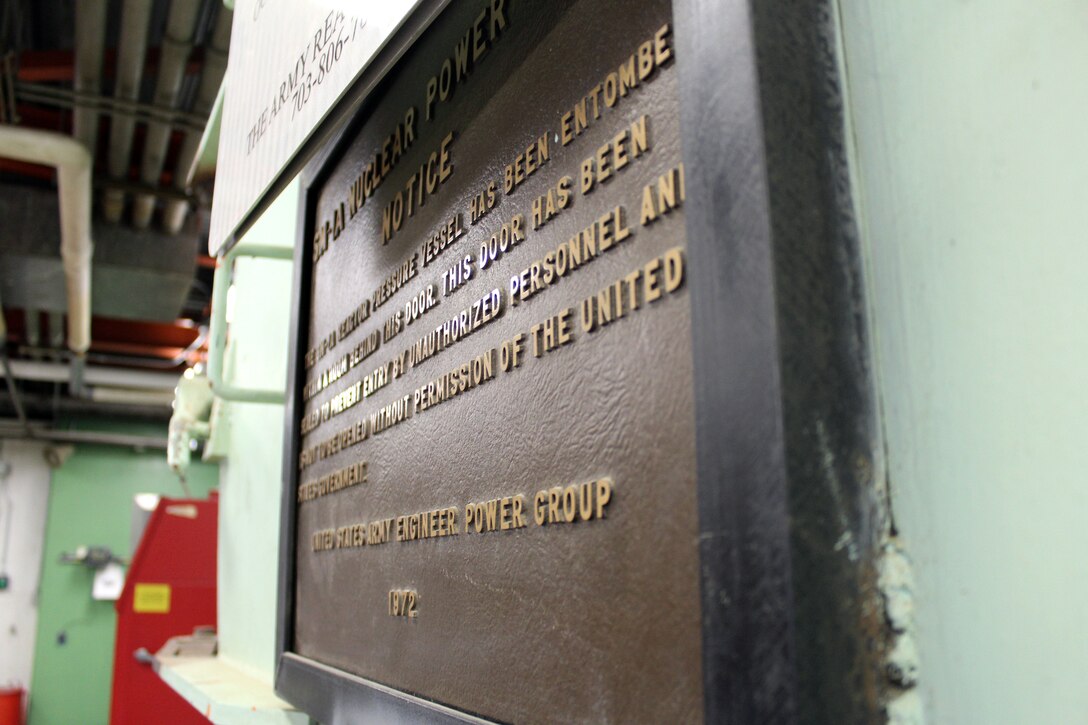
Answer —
133 82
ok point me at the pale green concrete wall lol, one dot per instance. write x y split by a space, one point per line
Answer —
250 477
90 503
972 179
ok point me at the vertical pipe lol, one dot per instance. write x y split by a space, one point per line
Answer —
13 391
90 51
177 43
76 249
32 329
73 163
56 330
135 17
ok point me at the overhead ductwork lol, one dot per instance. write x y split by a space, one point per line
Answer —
136 275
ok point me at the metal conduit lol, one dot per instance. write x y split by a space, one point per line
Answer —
177 43
135 17
215 66
90 51
66 98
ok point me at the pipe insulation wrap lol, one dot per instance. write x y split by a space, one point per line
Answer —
76 250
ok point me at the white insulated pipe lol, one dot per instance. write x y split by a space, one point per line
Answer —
90 52
135 18
215 66
73 163
133 396
94 375
177 44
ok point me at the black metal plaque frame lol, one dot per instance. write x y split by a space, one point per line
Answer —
791 507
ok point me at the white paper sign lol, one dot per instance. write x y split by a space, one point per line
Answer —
290 62
109 581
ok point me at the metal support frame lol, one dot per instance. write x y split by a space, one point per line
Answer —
217 345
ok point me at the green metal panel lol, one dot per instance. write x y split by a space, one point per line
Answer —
250 477
972 166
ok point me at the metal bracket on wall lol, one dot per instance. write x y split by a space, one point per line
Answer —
217 345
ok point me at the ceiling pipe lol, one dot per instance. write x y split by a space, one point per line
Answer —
90 52
73 163
134 360
177 44
132 396
46 406
215 66
135 18
9 429
47 95
94 375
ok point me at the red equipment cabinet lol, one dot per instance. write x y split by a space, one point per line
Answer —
12 706
169 591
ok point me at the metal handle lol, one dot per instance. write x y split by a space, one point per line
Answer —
217 339
146 658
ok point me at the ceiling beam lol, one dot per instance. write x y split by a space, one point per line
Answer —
39 66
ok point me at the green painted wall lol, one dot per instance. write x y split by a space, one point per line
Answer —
90 503
972 175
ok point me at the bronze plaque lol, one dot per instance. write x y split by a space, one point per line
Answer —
496 505
581 423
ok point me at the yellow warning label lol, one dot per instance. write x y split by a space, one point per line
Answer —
151 599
